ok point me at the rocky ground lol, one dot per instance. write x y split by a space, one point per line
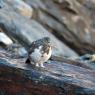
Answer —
70 25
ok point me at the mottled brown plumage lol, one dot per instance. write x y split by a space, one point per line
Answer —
40 51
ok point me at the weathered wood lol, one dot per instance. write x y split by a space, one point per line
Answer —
73 62
57 78
69 80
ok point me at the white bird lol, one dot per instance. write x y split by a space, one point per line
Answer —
39 52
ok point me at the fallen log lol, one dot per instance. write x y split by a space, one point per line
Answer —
73 62
57 78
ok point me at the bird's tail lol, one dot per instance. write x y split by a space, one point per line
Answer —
27 61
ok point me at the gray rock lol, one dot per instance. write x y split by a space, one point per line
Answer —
22 52
1 4
26 31
5 39
76 17
21 7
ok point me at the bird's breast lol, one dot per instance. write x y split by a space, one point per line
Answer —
39 57
46 55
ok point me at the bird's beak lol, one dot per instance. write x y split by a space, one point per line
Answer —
53 46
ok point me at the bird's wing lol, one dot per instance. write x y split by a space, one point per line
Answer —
45 49
34 45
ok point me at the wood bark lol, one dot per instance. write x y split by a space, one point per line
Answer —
57 78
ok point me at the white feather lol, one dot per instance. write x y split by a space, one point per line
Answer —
37 56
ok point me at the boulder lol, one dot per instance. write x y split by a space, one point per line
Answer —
4 39
20 7
70 20
26 31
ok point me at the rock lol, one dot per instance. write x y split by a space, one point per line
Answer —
21 7
1 4
74 17
93 58
17 51
35 3
5 39
22 52
26 31
88 60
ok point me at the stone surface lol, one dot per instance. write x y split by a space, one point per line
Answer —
21 7
72 21
5 39
26 31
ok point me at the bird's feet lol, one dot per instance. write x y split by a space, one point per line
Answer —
40 65
37 65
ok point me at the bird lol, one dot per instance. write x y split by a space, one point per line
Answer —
39 52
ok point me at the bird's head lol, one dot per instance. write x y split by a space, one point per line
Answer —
47 40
